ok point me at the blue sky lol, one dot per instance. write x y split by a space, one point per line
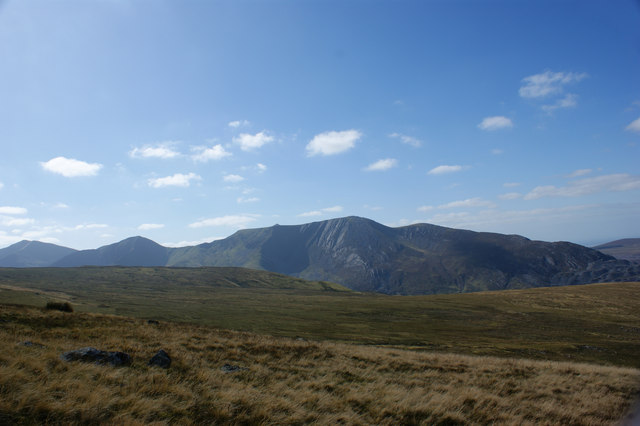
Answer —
184 121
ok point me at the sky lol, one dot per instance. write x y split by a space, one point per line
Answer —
185 121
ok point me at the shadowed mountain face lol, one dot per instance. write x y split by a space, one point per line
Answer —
418 259
367 256
25 254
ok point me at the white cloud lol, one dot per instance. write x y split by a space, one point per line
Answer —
409 140
548 83
233 178
60 206
193 242
497 151
615 182
510 196
1 185
249 142
238 123
331 143
634 126
469 202
261 167
69 167
425 208
150 226
202 154
243 200
579 172
495 123
381 165
569 101
11 210
236 221
162 150
88 226
445 169
334 209
10 221
311 213
178 179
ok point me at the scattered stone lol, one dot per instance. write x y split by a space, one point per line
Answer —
153 322
89 354
228 368
160 359
29 343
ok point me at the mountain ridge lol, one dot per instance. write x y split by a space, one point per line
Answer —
364 255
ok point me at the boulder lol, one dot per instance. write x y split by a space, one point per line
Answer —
160 359
94 355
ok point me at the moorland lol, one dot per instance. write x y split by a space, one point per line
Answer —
311 352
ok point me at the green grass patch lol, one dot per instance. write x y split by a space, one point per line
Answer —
597 323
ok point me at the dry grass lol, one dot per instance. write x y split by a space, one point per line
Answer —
286 381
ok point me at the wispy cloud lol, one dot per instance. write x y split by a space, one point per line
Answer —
331 143
238 123
511 184
11 221
249 142
425 208
510 196
150 226
569 101
444 169
579 172
70 167
334 209
261 167
235 221
233 178
469 202
495 123
409 140
203 154
548 83
177 179
382 165
615 182
163 150
634 126
244 200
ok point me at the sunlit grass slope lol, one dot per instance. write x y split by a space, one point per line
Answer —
283 381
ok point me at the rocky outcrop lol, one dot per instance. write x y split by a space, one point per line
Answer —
160 359
89 354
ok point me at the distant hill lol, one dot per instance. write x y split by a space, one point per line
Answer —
367 256
25 254
134 251
627 249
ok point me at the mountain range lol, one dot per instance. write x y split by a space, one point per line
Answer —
363 255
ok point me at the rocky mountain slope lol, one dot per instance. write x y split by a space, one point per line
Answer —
367 256
417 259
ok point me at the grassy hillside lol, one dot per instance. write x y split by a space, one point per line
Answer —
281 381
592 323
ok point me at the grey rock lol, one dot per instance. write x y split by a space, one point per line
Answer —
94 355
160 359
228 368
